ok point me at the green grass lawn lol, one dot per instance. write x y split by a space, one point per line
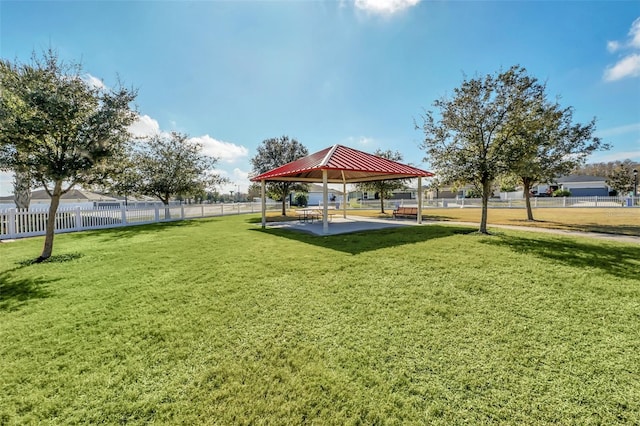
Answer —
218 322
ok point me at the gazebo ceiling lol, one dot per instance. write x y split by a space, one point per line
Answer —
343 165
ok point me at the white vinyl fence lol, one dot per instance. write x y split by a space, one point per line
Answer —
16 223
536 202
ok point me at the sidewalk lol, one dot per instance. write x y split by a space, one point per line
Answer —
597 235
360 223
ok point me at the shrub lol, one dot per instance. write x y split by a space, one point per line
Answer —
473 193
301 199
561 193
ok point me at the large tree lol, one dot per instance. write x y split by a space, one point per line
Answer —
59 127
621 179
276 152
619 174
605 169
384 188
545 144
172 165
468 141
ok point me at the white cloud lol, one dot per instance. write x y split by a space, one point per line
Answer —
238 180
385 7
634 34
620 130
613 46
363 141
144 126
614 156
94 81
225 151
629 66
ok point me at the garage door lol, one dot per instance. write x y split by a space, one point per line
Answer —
589 192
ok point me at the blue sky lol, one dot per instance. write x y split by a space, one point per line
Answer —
233 73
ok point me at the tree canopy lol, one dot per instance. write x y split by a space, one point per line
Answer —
275 152
546 144
165 166
622 180
384 188
468 141
58 127
503 125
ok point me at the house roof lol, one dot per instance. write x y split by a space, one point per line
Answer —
343 165
581 179
318 188
74 194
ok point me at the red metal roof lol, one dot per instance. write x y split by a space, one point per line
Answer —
343 164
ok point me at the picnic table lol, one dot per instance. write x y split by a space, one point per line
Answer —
307 215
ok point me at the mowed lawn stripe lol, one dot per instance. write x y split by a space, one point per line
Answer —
217 321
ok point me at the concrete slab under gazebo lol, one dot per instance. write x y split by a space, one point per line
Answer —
340 164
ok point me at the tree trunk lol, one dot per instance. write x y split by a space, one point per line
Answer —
167 212
526 184
284 206
486 193
381 204
22 189
51 222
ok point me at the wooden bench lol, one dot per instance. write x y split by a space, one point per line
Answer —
405 212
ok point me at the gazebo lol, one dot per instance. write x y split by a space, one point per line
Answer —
339 164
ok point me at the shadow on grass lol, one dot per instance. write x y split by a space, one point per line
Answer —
595 227
59 258
137 230
15 292
270 219
619 261
364 241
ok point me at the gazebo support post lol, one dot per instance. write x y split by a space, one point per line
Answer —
344 195
419 200
263 200
325 201
344 198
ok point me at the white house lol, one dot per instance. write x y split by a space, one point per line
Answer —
579 186
314 196
74 198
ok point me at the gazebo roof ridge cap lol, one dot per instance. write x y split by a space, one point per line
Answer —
327 157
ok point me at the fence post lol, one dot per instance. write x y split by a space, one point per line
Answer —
596 201
181 211
123 215
157 213
462 206
564 201
202 210
238 204
78 219
12 223
221 209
